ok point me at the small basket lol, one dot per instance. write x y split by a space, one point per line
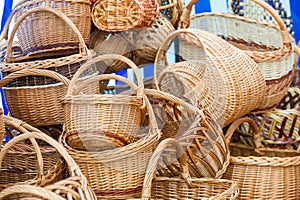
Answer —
171 9
44 34
75 186
23 163
274 56
39 105
120 114
242 84
123 15
262 173
183 187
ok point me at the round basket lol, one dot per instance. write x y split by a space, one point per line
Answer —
23 162
274 56
44 34
242 85
39 105
120 114
123 15
262 173
66 65
183 186
75 186
171 9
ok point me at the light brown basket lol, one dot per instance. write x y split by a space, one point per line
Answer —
183 187
262 173
22 162
200 135
66 65
171 9
243 83
75 186
44 34
120 115
269 45
123 15
114 173
39 105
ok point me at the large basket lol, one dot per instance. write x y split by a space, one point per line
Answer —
44 34
23 163
269 45
262 173
75 186
39 105
183 186
120 115
66 65
200 135
123 15
242 83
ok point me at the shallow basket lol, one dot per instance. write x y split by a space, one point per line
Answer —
262 173
75 186
44 34
269 45
242 85
27 163
183 186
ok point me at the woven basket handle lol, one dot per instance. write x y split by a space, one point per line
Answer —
34 72
140 90
185 18
36 191
152 166
82 47
232 128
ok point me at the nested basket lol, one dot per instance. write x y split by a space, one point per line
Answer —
44 34
120 115
199 133
123 15
115 170
242 85
171 9
38 105
269 45
74 186
23 163
65 65
183 186
262 173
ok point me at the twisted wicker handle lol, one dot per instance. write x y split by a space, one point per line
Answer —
140 89
34 72
185 18
82 47
152 166
232 128
42 193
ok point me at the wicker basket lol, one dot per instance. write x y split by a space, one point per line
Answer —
183 187
270 46
123 15
171 9
243 83
23 163
44 34
200 135
120 115
262 173
66 65
39 105
291 99
73 187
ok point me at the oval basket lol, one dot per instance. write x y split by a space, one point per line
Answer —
274 56
262 173
44 34
243 83
75 186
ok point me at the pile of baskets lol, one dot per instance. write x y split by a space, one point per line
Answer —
214 121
